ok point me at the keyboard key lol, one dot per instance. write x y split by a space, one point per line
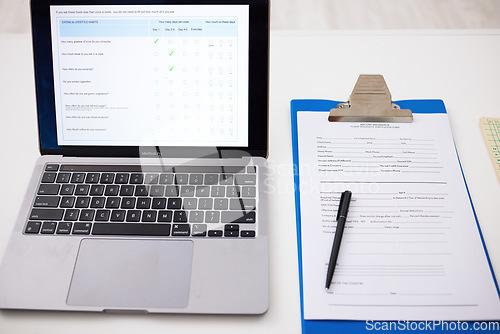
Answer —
171 191
63 177
67 189
131 229
112 190
202 191
221 203
151 178
51 167
174 203
180 230
113 202
212 216
165 216
205 204
64 228
49 177
97 202
247 234
48 228
141 190
96 190
118 215
199 230
238 217
133 216
82 189
157 191
33 227
231 227
226 179
122 178
211 179
82 202
71 214
196 179
215 233
136 178
252 169
143 203
233 191
48 189
128 203
231 234
67 202
107 178
187 191
46 214
148 216
248 191
243 204
87 215
78 178
180 217
181 178
47 201
102 215
92 178
159 203
245 179
166 178
218 191
82 228
127 190
196 216
189 203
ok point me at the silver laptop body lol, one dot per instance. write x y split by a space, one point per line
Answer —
157 225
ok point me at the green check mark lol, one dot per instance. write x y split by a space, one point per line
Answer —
157 40
171 52
171 68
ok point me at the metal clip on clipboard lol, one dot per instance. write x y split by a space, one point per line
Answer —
370 101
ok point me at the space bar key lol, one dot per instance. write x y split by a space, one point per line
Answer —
131 229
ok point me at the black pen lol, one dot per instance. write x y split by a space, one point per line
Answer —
345 200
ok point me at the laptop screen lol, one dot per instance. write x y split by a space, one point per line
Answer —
123 77
151 75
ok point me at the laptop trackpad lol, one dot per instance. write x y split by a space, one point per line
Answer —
133 274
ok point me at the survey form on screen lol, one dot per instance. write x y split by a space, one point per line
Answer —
411 248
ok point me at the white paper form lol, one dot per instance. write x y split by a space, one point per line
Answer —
411 248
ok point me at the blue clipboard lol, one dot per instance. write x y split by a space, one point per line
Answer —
359 327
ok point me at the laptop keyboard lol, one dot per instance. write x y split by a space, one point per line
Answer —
184 201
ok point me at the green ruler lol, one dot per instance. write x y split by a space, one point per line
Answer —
490 127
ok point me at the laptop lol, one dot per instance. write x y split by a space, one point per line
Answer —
150 194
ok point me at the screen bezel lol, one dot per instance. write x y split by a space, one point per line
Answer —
258 94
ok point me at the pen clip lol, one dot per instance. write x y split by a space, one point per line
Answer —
342 197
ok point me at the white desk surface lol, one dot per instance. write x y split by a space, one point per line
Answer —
459 67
